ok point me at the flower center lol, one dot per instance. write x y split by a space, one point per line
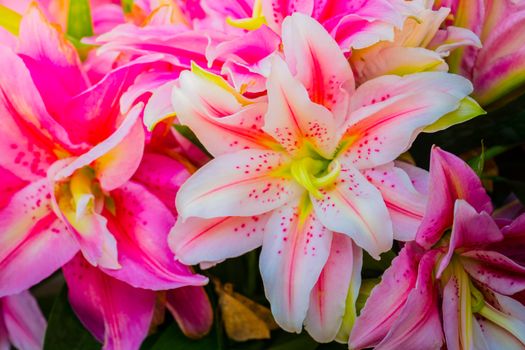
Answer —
80 195
314 174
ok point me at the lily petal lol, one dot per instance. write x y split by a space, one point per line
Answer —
379 133
296 247
93 115
140 225
114 312
96 241
292 118
318 63
28 134
197 240
24 321
243 183
386 302
401 61
113 159
162 176
10 185
495 270
52 60
33 242
275 11
451 311
209 108
470 230
159 106
453 37
191 308
497 337
499 66
338 283
405 204
356 208
383 88
419 323
450 179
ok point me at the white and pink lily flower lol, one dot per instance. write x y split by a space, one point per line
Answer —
307 172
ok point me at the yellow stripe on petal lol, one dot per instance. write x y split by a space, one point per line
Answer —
220 82
10 20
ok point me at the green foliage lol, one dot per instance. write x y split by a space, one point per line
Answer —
190 136
173 339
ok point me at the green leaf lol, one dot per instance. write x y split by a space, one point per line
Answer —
64 330
190 136
504 125
478 163
79 22
468 109
173 339
374 268
364 292
10 20
516 187
127 5
295 342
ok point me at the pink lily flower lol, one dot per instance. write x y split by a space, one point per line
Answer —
307 172
497 69
457 285
77 178
21 322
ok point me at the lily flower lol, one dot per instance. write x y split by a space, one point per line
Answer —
73 168
308 165
21 322
418 46
496 69
458 284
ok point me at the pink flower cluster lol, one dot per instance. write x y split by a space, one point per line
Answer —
304 108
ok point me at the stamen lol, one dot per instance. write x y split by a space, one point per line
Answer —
304 171
507 322
81 191
329 178
301 173
478 301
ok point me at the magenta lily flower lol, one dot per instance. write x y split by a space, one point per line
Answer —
303 170
22 324
73 166
353 24
497 69
458 285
